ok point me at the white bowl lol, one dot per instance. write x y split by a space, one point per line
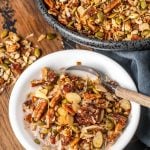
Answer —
59 60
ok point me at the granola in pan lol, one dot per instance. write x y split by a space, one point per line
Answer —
65 111
115 20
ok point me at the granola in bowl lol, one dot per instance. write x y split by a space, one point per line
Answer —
65 111
115 20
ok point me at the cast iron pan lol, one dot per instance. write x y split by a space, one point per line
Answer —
92 42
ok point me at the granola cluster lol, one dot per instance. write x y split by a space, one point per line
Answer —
65 111
16 54
115 20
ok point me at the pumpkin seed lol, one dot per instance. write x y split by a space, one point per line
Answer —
118 21
98 139
51 36
4 33
37 141
37 52
4 66
73 97
99 34
143 4
100 16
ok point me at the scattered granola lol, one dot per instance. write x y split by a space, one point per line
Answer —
65 111
48 36
104 19
16 54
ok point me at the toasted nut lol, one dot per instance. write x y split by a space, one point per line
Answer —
1 81
14 37
49 117
37 52
125 104
41 37
75 107
12 48
44 73
73 97
55 99
69 109
62 111
51 36
144 26
74 141
111 5
4 33
39 110
69 119
36 82
41 93
98 140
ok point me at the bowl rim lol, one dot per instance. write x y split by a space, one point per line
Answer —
13 118
92 42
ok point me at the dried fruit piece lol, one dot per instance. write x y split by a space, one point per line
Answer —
73 97
98 139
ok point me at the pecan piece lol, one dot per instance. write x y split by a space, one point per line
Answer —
49 117
111 5
49 75
55 99
1 81
69 109
36 82
91 96
39 110
28 118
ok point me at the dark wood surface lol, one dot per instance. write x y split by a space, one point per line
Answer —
23 17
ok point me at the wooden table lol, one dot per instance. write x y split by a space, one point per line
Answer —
26 20
29 20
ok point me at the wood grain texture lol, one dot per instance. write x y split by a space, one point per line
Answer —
29 20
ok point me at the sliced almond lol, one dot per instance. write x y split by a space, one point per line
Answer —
73 97
98 139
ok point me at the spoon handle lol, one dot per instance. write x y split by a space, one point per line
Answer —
133 96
